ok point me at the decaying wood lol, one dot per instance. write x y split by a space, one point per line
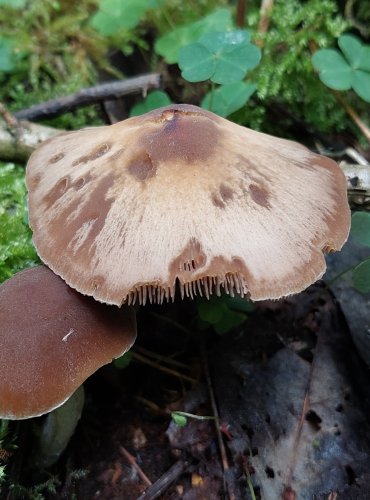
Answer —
91 95
18 142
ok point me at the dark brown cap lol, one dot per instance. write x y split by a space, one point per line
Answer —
180 195
51 339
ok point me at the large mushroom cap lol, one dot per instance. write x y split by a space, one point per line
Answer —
52 339
124 212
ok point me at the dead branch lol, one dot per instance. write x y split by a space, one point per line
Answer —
165 481
90 95
19 141
132 461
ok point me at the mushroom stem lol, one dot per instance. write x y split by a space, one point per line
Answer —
58 428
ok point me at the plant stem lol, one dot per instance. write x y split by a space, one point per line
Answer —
352 113
240 13
192 415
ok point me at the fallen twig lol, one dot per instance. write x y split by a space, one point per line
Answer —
224 461
90 95
163 483
18 142
160 357
132 461
161 368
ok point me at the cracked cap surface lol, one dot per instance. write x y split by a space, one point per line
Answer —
182 196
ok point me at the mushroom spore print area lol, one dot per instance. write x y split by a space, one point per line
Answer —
181 199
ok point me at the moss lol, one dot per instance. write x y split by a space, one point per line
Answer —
16 249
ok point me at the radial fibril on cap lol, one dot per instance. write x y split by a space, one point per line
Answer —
51 339
180 195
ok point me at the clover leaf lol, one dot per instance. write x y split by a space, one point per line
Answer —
169 45
347 69
114 15
222 57
228 98
153 100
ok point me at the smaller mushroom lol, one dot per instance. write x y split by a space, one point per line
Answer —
51 340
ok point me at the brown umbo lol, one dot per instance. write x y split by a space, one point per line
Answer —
180 196
51 339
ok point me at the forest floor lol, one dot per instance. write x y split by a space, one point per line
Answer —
290 391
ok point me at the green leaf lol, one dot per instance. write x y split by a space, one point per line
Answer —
350 71
114 15
123 361
196 62
361 277
351 47
333 69
6 59
215 41
221 57
229 98
179 420
364 58
238 303
230 319
14 4
153 100
232 66
361 84
210 311
360 228
169 45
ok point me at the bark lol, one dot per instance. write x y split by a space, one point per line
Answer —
91 95
17 143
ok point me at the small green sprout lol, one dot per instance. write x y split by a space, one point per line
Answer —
347 69
181 417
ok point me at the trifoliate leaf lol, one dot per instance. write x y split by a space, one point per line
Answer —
169 45
347 69
222 57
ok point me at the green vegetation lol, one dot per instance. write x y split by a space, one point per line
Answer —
361 233
16 249
346 70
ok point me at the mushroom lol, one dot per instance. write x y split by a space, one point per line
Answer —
52 339
182 197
